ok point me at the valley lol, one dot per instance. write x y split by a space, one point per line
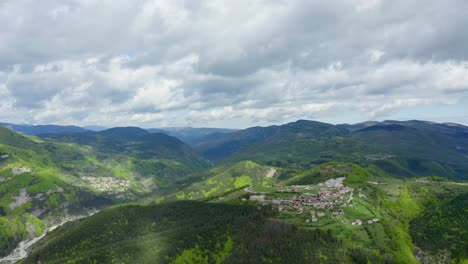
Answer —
282 194
23 248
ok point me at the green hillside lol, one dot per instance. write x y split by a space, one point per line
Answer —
156 154
442 228
402 149
189 232
232 231
33 194
225 145
43 181
220 180
355 175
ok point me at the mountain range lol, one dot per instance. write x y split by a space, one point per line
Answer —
186 134
195 182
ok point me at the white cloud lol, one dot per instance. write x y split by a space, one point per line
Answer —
237 62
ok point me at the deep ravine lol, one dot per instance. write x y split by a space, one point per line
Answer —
22 250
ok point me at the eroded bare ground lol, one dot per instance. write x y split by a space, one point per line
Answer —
24 247
271 173
20 200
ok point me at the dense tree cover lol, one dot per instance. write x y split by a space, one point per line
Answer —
357 177
195 232
139 145
443 225
403 149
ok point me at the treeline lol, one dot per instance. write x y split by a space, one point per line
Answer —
443 225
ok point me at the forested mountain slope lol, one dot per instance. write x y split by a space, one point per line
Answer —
44 180
401 148
190 232
156 154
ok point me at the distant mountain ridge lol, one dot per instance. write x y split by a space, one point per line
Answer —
188 135
229 143
405 148
42 129
410 148
136 142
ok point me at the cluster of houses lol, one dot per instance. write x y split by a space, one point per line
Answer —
325 199
109 185
314 216
329 199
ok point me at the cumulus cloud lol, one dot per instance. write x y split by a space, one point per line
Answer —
229 63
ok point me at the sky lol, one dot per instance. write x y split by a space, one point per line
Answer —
154 63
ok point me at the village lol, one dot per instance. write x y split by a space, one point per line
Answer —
312 203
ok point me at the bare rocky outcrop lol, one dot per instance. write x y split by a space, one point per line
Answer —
21 199
441 257
271 173
334 183
24 247
19 171
38 212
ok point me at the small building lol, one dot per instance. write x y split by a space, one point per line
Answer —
258 198
320 214
314 219
358 222
370 222
276 202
